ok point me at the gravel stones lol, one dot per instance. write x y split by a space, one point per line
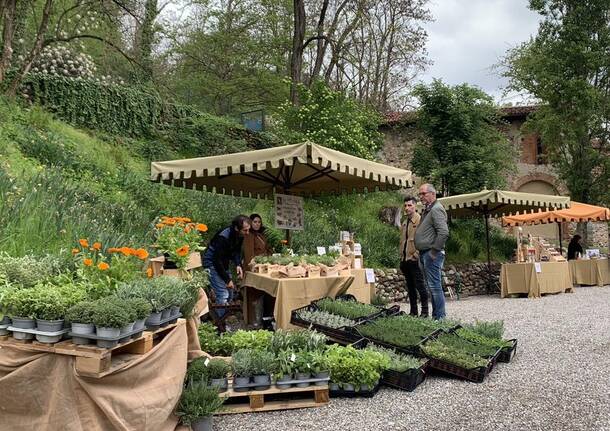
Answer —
559 380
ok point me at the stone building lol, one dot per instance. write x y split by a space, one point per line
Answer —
533 173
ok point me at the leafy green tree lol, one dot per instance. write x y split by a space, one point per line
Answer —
332 119
464 150
566 66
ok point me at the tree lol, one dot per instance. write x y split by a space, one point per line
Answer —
332 119
464 151
567 67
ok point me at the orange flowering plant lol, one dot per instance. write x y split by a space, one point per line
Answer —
102 271
178 237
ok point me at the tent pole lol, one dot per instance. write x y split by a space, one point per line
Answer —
560 243
488 253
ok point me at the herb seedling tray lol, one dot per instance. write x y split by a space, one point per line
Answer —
395 309
406 380
414 350
508 353
476 375
342 335
493 357
341 393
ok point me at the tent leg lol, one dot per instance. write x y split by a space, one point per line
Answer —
489 276
560 240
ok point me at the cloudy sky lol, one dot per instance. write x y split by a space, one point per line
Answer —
469 36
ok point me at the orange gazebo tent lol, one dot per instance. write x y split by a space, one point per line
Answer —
576 213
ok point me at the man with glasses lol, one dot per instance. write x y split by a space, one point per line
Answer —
430 238
409 259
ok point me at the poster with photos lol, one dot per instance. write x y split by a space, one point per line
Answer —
288 212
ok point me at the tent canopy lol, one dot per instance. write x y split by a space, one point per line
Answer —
576 213
500 202
302 169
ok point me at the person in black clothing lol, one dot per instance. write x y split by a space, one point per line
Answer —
224 248
574 247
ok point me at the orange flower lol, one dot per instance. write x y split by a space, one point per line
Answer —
159 225
97 246
83 242
149 272
103 266
182 251
187 229
201 227
75 250
141 253
87 262
113 250
284 241
126 251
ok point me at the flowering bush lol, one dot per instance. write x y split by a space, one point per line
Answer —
177 237
103 271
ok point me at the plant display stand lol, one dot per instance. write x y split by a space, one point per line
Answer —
274 399
93 361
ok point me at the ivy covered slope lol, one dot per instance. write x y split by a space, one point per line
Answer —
59 183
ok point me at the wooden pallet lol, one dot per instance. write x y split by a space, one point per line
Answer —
93 361
274 399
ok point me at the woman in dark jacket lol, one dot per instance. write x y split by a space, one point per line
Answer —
255 244
574 247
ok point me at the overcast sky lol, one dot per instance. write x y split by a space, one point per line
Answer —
469 36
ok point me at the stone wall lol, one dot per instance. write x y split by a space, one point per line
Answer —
471 279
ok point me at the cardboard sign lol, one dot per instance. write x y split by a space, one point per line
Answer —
370 275
358 264
538 267
288 212
321 250
357 249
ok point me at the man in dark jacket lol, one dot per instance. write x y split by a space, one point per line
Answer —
224 248
430 237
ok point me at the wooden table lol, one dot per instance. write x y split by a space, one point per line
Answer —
293 293
554 277
590 272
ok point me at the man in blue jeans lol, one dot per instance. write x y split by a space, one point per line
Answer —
430 237
224 248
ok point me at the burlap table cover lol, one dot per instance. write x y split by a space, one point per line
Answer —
293 293
590 272
523 278
43 391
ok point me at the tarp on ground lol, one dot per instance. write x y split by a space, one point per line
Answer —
301 169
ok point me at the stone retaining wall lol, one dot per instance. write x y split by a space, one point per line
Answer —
471 279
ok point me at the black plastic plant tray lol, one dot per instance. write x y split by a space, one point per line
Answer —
381 311
340 393
410 350
407 380
508 353
493 358
341 335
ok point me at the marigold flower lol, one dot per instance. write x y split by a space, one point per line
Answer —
160 225
126 251
149 272
97 246
75 250
87 262
141 253
83 242
201 227
113 250
187 229
182 251
103 266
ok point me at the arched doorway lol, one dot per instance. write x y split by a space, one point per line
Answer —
548 231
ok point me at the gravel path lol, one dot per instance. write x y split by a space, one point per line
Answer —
559 380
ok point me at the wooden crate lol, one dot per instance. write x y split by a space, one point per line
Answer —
93 361
274 399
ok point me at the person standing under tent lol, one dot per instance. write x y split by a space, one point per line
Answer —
430 238
224 248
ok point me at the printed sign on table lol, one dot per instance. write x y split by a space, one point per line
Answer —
288 212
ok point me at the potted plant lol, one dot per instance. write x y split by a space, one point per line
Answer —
218 369
242 369
319 367
262 366
80 316
284 368
197 372
20 308
197 405
4 319
177 238
303 368
141 310
109 316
